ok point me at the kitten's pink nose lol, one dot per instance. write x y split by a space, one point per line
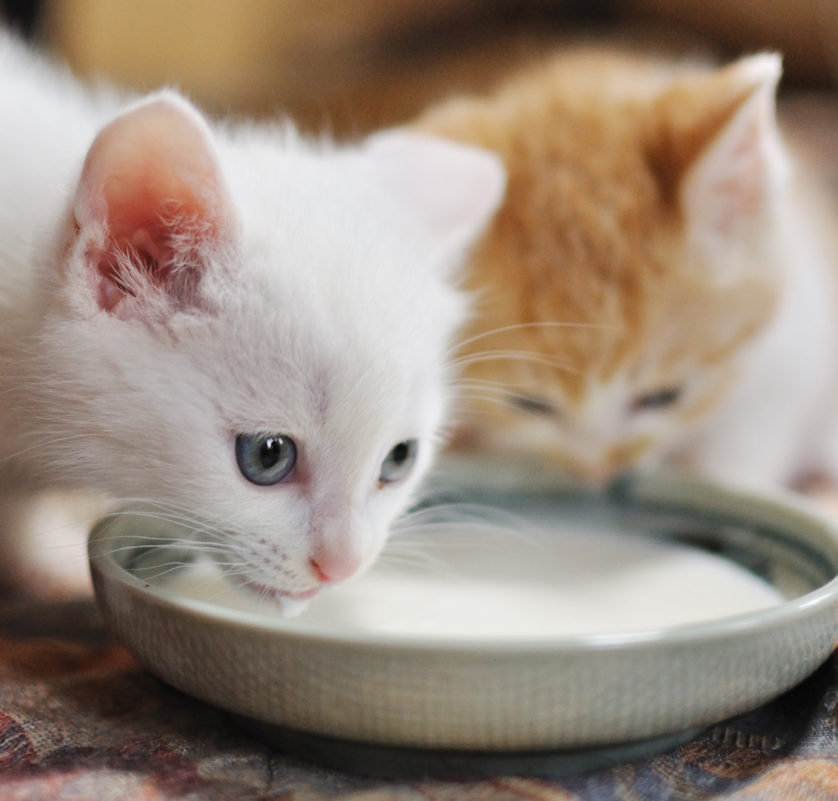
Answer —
334 567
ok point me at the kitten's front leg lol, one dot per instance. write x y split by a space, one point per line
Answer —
43 538
754 451
819 481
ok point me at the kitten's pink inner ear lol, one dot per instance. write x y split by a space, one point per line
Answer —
151 179
737 157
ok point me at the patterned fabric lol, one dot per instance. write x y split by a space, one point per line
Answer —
79 719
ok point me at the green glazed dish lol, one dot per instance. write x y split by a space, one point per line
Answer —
489 696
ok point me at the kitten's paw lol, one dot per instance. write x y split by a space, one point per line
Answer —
45 544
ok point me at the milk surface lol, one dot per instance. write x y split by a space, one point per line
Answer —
545 583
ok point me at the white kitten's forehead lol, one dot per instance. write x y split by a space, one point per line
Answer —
336 310
306 379
308 225
283 193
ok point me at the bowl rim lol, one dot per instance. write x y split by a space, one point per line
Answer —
669 490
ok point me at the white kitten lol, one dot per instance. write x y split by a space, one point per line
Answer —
227 325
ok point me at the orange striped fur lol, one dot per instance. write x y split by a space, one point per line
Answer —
592 275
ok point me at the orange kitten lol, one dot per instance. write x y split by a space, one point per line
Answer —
658 290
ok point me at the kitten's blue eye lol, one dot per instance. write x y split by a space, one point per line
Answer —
658 399
399 462
265 458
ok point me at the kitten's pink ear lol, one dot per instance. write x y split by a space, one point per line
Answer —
732 178
149 198
451 189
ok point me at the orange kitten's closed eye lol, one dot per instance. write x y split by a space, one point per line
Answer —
656 294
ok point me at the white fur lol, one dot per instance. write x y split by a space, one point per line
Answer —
326 315
780 419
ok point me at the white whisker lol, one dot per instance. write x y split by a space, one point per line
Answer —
520 326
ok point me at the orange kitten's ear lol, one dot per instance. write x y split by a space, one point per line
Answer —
149 196
730 180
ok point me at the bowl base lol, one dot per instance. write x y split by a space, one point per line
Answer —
396 762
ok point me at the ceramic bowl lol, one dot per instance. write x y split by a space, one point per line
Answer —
490 696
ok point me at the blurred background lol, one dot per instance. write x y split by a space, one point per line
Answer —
349 66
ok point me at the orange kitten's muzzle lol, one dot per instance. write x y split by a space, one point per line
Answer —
596 474
602 468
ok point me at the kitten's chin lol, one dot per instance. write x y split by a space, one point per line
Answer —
293 607
290 603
